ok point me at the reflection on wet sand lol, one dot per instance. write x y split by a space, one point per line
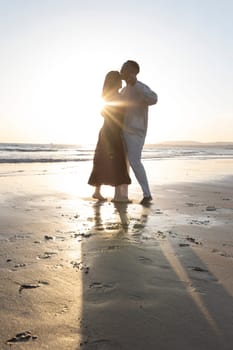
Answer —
116 215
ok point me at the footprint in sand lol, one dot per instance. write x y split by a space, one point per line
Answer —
22 337
193 240
158 212
101 286
199 269
224 254
184 245
28 286
189 204
101 344
47 238
17 266
31 285
199 222
80 266
46 255
161 235
145 260
211 208
207 275
83 235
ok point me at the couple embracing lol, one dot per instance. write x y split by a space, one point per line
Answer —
122 136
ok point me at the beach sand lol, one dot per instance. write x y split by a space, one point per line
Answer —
77 274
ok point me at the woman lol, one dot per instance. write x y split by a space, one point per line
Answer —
110 165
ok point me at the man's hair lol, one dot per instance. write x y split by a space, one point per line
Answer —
133 64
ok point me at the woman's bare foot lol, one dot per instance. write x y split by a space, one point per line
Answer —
99 197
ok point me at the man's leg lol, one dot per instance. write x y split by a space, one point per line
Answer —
134 145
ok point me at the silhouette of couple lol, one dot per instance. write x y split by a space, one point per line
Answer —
122 136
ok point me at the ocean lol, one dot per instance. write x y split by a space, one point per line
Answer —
54 153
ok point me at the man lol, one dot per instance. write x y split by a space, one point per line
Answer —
137 97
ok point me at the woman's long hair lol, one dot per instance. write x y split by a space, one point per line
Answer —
112 83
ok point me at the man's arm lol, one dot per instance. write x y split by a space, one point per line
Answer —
147 96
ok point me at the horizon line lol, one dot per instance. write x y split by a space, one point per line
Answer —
168 142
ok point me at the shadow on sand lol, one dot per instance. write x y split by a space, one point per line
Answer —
144 291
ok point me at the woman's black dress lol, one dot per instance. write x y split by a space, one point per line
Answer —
109 164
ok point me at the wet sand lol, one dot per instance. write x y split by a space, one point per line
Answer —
77 274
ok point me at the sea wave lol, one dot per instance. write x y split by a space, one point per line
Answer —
18 149
41 160
55 153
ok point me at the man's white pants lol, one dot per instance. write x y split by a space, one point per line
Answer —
134 145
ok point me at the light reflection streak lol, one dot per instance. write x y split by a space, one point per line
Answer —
169 253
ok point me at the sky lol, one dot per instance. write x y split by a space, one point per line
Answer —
56 53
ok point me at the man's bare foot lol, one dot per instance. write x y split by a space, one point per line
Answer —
99 197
